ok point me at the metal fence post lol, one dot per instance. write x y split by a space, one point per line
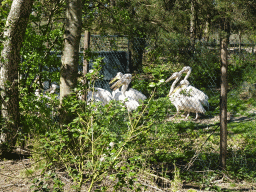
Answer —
85 60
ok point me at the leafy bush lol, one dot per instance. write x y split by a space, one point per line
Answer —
95 145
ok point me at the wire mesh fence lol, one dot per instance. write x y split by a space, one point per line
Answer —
193 89
191 94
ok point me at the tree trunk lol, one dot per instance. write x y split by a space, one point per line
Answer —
70 57
10 58
193 25
207 30
224 39
136 49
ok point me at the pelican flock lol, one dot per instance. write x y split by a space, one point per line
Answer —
131 98
186 97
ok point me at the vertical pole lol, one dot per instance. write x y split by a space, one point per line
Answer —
240 40
85 61
223 95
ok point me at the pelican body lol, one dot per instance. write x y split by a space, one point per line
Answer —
97 94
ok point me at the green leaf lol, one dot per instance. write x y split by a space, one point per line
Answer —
152 84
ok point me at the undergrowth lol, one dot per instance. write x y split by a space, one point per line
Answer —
107 148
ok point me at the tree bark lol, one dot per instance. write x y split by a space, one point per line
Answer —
207 29
10 58
70 57
224 39
193 24
136 49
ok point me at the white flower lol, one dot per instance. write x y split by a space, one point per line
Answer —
103 157
111 144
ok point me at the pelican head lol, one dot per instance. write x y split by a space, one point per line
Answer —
186 69
124 80
118 76
174 76
53 88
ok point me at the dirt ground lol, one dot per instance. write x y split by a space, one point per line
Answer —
215 119
13 179
11 174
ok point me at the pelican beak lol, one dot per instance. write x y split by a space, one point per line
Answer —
170 78
116 85
113 80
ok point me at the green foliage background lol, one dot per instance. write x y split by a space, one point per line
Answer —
143 141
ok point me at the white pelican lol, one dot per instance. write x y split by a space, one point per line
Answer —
132 93
97 94
192 91
129 102
183 102
51 90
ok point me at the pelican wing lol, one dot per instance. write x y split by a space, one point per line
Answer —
131 104
99 94
135 94
188 104
194 92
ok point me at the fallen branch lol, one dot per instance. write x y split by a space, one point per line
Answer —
149 185
158 177
10 185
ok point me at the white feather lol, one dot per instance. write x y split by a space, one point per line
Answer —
194 92
99 95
